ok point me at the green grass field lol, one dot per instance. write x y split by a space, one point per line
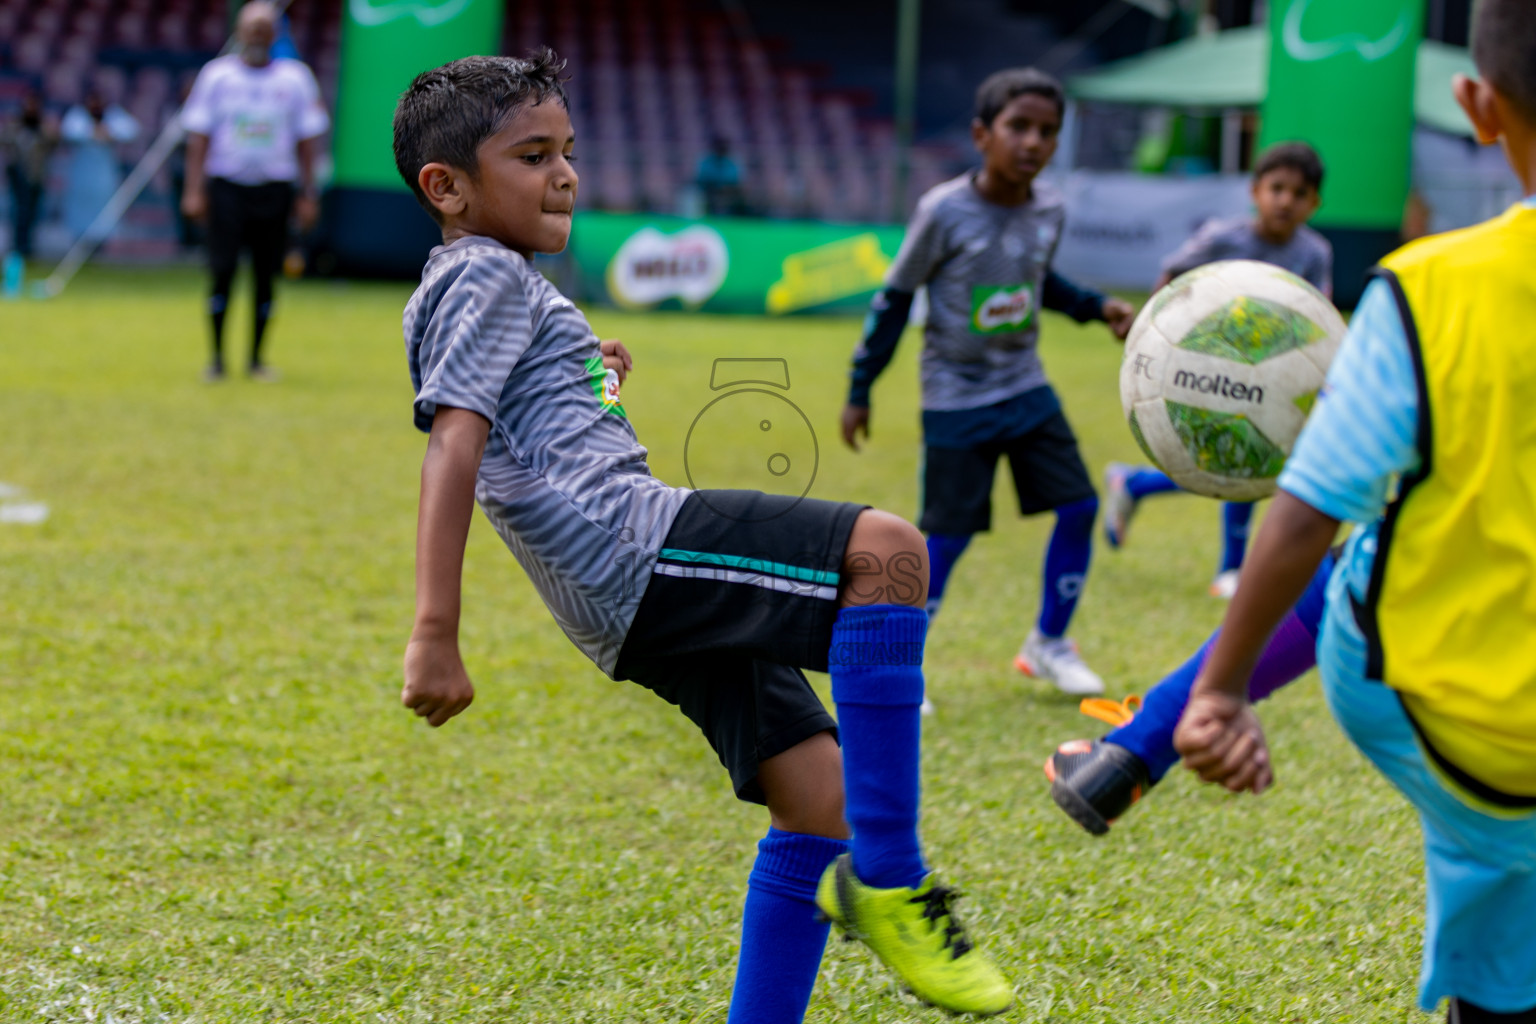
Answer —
214 808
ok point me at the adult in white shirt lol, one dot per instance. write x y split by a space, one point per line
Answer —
252 122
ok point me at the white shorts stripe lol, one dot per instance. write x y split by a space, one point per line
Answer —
756 579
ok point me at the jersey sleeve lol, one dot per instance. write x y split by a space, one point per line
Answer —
1202 247
198 113
1081 304
478 331
922 250
309 117
1362 435
1322 268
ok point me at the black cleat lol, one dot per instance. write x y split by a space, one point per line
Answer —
1096 782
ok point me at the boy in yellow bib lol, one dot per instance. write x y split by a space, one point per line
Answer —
1427 438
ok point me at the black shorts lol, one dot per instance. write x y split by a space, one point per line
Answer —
743 597
253 217
1048 472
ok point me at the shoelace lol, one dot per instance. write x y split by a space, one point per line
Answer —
1111 712
937 907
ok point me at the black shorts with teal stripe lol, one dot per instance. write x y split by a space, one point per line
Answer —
743 599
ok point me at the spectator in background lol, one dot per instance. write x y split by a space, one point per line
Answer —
25 145
252 123
95 132
718 179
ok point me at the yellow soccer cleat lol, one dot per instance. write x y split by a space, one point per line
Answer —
915 932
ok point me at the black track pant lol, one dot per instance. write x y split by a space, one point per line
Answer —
253 217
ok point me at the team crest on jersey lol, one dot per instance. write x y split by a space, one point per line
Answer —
998 309
605 385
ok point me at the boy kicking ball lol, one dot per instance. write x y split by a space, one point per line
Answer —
715 600
1428 646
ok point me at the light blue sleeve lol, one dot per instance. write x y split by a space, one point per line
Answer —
1361 437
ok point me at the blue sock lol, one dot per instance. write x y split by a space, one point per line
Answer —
1150 734
1235 516
944 550
876 663
1289 654
781 939
1066 564
1145 480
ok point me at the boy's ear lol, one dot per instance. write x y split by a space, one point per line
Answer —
1481 106
979 132
443 189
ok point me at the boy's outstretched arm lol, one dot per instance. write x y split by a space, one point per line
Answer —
1085 304
887 318
436 685
1219 735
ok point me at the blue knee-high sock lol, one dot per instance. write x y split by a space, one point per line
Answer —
1235 516
876 663
1066 564
1287 656
944 550
781 939
1145 480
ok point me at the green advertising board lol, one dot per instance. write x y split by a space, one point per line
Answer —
1341 77
730 265
385 44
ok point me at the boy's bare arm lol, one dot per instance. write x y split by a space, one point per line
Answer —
1219 736
436 685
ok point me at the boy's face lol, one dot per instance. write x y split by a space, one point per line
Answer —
525 189
1284 201
1021 139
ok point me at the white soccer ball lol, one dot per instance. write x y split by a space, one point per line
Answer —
1221 369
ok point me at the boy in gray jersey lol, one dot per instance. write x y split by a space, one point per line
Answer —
1287 187
715 600
982 244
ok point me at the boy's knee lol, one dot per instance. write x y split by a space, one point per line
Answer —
885 534
886 561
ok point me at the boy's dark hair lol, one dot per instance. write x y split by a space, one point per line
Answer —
1504 49
1002 86
447 112
1295 156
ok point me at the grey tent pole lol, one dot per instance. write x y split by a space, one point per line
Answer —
152 160
908 21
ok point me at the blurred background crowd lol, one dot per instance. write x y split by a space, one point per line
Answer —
761 108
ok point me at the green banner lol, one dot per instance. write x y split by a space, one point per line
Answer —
1341 77
385 44
730 265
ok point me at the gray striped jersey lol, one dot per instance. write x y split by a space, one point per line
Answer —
1307 255
564 479
985 268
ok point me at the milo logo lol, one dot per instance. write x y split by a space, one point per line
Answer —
651 266
998 309
605 385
